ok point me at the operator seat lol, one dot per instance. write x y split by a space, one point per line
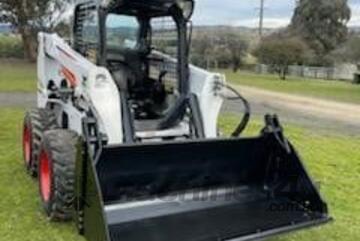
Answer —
130 72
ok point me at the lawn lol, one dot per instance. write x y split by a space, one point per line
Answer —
332 90
21 217
17 76
333 160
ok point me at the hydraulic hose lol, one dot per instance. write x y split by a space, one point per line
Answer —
247 113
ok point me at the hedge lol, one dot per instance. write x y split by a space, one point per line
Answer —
11 47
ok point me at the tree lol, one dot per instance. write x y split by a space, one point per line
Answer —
321 23
29 17
201 53
279 53
224 49
236 49
349 51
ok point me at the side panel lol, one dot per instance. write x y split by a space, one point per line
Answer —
202 84
47 70
93 86
41 94
105 97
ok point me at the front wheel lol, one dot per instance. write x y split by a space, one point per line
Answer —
57 173
36 122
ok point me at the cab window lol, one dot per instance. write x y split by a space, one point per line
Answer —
122 32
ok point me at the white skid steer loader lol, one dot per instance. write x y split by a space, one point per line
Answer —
125 141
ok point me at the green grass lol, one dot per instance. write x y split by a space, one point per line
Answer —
332 90
17 76
333 160
21 216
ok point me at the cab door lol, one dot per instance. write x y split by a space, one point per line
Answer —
87 31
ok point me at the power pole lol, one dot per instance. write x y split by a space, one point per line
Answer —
261 18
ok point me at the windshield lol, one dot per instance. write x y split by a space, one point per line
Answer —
122 31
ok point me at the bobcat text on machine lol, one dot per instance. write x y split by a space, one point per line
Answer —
125 138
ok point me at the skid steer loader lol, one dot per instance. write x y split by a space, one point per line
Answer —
125 139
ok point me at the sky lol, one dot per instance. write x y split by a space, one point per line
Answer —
246 12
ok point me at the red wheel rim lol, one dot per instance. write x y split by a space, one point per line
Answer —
27 144
45 176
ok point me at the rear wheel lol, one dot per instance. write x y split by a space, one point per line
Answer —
36 122
57 173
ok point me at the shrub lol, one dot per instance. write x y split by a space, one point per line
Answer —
11 47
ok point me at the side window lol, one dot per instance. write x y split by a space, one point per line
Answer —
164 36
87 33
164 42
122 32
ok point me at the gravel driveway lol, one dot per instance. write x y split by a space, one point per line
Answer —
304 111
317 114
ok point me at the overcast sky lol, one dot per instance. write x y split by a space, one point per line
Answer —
246 12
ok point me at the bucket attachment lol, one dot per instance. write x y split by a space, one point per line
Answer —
210 190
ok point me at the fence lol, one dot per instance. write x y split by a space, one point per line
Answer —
339 72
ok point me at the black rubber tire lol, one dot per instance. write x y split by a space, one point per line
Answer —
60 148
37 121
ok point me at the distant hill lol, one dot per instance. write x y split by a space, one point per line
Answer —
249 31
233 28
245 30
251 34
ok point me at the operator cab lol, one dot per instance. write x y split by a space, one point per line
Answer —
148 80
145 50
145 46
